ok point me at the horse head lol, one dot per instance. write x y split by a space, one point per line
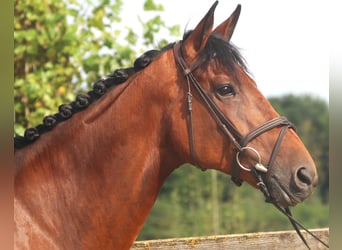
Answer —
231 126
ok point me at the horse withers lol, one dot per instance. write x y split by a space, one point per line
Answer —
88 176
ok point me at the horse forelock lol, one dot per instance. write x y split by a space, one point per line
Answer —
225 53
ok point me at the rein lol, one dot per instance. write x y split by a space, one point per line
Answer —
239 141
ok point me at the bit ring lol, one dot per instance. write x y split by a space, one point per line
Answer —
251 149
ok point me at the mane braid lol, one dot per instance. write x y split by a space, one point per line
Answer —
82 101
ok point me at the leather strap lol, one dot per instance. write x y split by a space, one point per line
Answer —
269 125
227 127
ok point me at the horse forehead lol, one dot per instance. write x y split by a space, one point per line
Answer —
216 72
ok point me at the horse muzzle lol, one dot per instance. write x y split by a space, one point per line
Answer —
289 191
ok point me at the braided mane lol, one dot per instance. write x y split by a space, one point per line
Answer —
224 52
82 101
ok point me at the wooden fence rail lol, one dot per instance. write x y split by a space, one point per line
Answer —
267 240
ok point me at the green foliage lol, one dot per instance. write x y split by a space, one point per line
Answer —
150 5
62 47
154 26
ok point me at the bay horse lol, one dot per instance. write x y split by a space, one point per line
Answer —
88 176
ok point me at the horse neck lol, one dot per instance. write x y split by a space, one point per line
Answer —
100 172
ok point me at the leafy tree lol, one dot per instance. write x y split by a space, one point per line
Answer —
63 46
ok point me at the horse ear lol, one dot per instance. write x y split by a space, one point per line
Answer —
197 39
226 29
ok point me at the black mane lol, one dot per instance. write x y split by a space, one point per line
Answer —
66 111
223 51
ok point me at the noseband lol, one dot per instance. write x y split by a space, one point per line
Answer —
240 142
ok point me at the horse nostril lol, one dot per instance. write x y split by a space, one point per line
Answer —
304 176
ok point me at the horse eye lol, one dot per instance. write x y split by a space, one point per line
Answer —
225 90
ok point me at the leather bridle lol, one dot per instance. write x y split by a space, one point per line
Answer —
240 142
